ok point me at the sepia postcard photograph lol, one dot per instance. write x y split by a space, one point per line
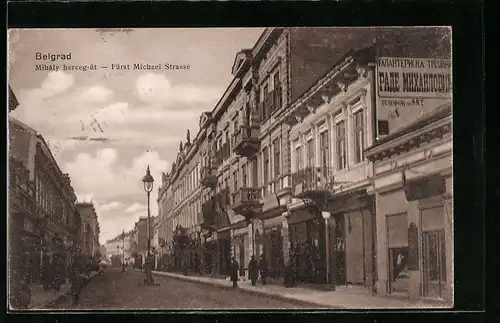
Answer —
230 168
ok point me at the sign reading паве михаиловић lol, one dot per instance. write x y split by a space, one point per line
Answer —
399 77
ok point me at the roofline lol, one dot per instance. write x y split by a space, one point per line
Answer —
350 57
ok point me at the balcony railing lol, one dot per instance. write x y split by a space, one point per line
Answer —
246 141
312 181
208 177
246 201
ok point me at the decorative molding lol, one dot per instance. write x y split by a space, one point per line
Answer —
326 98
362 71
342 86
311 109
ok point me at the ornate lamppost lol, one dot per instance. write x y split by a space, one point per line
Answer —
148 187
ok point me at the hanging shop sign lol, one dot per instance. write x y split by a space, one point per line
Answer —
408 88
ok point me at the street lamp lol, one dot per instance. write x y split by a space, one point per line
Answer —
326 216
148 187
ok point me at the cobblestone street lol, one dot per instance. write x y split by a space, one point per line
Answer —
116 290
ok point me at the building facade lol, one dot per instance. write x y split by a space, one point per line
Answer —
43 219
412 166
141 235
89 228
180 200
299 134
120 247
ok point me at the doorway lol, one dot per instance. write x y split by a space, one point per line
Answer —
434 263
340 256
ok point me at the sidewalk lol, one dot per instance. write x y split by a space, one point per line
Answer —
343 297
41 299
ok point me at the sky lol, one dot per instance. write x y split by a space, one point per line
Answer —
141 114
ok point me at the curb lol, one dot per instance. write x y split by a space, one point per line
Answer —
63 296
271 295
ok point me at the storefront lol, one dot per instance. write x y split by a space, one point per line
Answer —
240 250
270 233
307 239
414 210
354 246
224 252
209 253
351 243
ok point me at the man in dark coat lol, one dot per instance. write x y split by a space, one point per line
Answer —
253 270
290 275
263 267
76 270
234 272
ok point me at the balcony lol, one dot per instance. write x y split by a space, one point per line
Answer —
208 176
246 141
312 183
246 201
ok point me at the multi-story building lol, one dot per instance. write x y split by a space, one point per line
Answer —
141 235
179 198
166 205
286 144
42 212
251 145
89 228
120 246
413 184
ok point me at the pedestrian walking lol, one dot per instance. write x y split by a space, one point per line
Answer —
77 271
148 266
290 270
253 270
234 272
263 268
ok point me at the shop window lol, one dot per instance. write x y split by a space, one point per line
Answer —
433 252
397 242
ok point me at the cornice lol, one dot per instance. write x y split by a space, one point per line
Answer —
410 140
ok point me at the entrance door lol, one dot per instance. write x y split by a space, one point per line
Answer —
340 251
242 256
434 263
